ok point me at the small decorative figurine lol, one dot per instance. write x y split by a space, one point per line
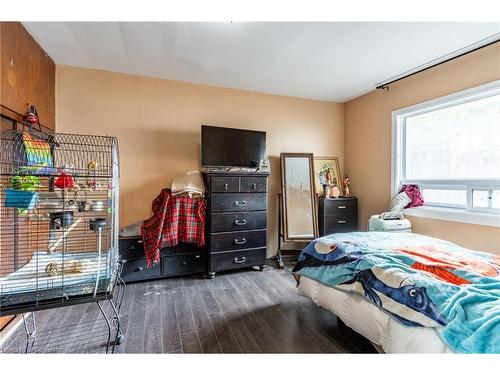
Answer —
334 192
347 185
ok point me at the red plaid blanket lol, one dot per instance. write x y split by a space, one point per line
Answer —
174 220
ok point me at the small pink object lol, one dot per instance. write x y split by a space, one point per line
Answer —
414 193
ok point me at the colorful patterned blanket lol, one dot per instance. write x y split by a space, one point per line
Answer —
418 280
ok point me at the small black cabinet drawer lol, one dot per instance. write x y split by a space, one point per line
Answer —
253 184
340 206
225 184
131 248
186 248
237 240
339 222
226 222
137 270
182 264
238 259
239 202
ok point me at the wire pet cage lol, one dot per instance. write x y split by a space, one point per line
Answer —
58 223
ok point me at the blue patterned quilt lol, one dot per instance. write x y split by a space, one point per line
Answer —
418 280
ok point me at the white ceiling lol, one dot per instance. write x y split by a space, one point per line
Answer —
328 61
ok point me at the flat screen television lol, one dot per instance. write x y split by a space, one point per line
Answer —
228 147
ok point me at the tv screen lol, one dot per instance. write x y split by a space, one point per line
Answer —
228 147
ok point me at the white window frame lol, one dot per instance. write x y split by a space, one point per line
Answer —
468 214
489 189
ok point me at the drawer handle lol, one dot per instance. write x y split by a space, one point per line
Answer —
139 241
240 242
243 222
138 269
254 186
239 261
341 221
184 263
342 207
240 204
198 256
225 186
131 247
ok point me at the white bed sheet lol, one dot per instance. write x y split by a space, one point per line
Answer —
371 322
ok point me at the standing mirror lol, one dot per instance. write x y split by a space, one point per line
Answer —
299 207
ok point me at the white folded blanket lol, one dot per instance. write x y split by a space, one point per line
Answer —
189 183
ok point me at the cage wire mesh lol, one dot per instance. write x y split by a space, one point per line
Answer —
58 218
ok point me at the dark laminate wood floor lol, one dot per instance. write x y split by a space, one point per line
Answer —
237 312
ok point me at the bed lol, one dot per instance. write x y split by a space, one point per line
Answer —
405 292
31 283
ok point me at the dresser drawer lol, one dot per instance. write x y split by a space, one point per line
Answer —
253 184
238 202
137 270
341 223
131 248
182 264
340 206
237 259
185 248
227 222
237 240
224 184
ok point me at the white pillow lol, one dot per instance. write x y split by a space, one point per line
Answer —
399 202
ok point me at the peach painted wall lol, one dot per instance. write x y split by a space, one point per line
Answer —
157 123
368 141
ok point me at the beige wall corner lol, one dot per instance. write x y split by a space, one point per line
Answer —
368 141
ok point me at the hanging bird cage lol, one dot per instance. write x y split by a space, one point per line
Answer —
58 219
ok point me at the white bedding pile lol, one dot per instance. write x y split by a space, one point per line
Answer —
372 322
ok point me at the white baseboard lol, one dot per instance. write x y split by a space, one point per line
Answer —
10 328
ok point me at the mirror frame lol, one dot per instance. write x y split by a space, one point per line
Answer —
284 208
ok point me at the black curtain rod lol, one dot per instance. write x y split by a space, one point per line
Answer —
386 85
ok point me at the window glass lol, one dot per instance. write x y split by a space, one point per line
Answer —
480 198
449 197
462 141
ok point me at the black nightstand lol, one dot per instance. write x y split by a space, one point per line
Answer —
336 215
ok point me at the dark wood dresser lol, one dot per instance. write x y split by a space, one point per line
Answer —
336 215
236 220
183 259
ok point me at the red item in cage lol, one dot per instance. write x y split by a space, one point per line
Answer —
64 181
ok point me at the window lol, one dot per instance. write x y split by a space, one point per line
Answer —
450 147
